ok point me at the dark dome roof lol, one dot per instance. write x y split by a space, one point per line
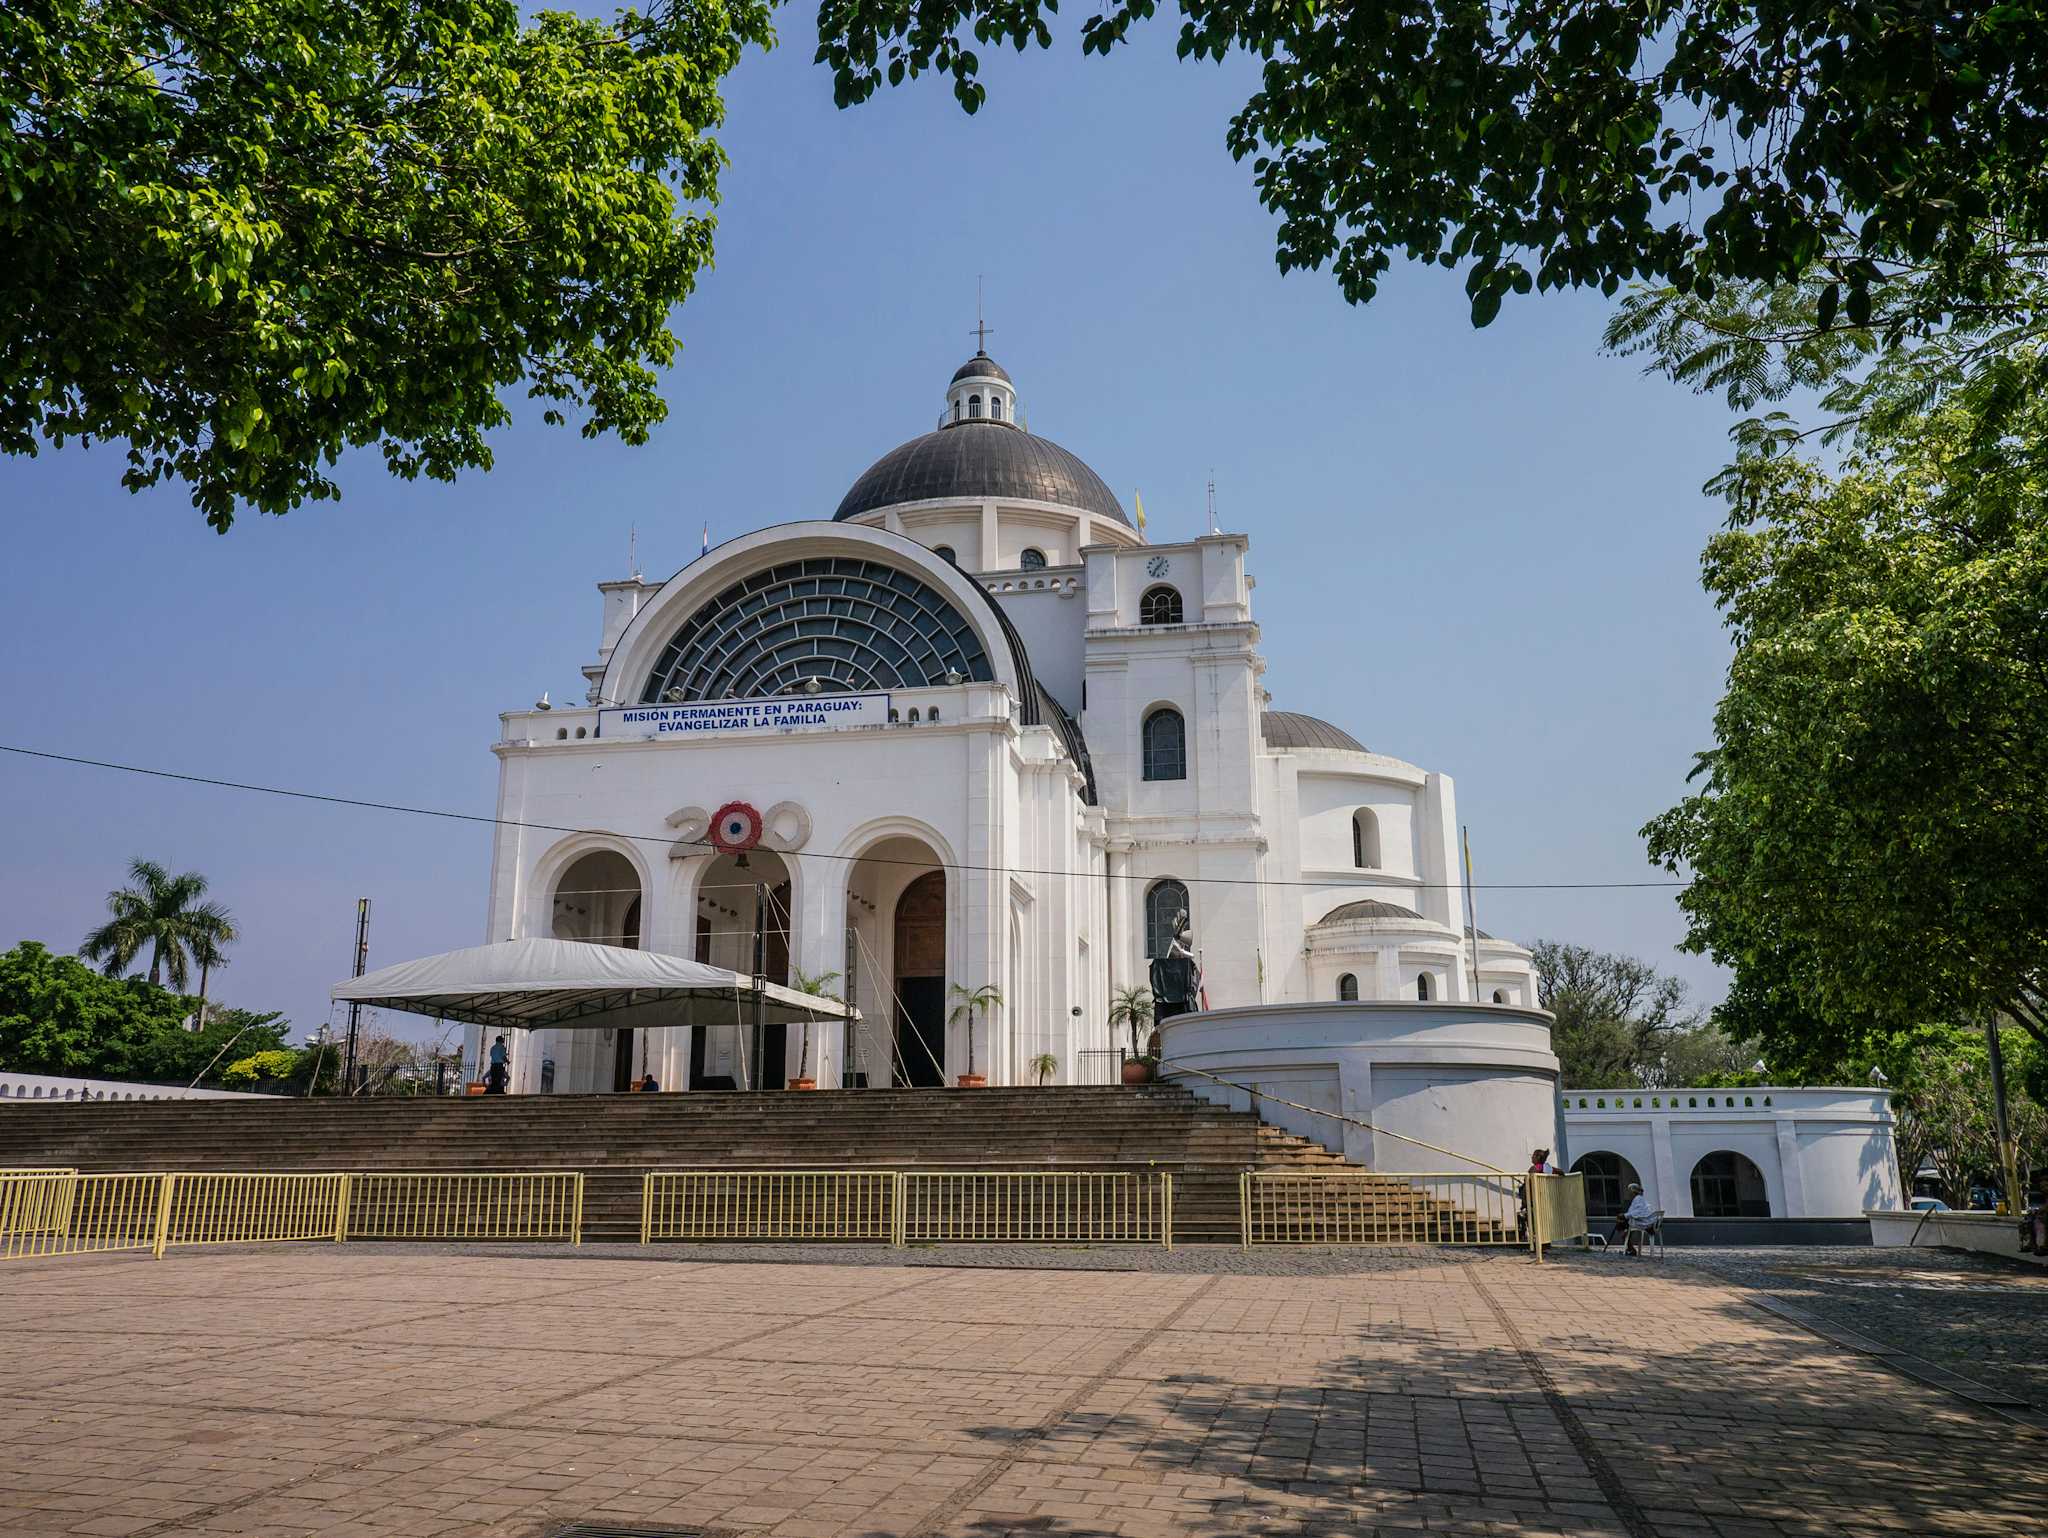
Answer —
981 366
980 459
1289 729
1370 908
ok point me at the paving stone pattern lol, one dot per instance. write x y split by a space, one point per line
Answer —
386 1392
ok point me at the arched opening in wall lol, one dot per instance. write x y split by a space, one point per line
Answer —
1171 977
1164 741
974 405
1347 987
1422 986
945 553
920 945
1499 997
1726 1184
743 923
1033 559
1160 606
1365 839
597 899
895 974
1608 1177
995 408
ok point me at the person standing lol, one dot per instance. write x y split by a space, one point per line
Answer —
500 1074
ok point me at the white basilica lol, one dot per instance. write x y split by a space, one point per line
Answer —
972 730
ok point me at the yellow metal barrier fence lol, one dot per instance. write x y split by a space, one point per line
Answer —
1035 1207
235 1208
1366 1207
65 1213
1557 1209
845 1205
495 1204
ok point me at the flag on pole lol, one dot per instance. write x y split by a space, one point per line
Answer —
1139 503
707 538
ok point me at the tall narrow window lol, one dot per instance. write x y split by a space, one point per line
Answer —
1165 745
1365 839
1160 606
944 552
974 405
1033 559
1347 987
1499 997
1165 901
956 411
995 408
1422 986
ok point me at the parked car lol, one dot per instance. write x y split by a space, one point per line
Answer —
1930 1204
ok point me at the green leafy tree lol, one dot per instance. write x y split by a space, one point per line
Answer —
818 985
1621 1024
246 235
1868 843
273 1067
201 1056
59 1016
165 915
968 1005
1546 144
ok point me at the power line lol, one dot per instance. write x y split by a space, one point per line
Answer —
670 840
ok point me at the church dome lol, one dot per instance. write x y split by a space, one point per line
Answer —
981 366
982 449
1290 729
970 460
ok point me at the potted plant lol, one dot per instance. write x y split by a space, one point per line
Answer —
968 1004
1045 1065
819 986
1132 1007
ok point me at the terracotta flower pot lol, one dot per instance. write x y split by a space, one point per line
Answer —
803 1083
972 1081
1137 1071
475 1087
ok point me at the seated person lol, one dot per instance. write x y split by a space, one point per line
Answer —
1634 1218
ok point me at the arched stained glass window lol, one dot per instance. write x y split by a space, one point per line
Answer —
1165 745
1165 901
850 624
1160 606
1347 987
1033 559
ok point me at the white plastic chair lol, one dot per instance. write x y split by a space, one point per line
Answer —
1651 1232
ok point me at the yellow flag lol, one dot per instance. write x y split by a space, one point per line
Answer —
1139 503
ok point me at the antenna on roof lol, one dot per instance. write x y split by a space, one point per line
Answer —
1212 501
633 552
981 330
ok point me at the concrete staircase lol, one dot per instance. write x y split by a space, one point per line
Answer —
615 1138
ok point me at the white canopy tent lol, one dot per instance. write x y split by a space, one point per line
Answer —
532 985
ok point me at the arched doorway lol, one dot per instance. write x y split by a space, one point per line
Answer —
920 952
1726 1184
743 923
597 899
1608 1177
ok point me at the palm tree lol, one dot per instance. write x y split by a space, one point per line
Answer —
971 1002
216 930
819 986
165 914
1131 1007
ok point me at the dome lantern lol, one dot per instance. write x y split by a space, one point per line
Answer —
981 392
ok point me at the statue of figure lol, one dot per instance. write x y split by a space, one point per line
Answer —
1177 976
1183 941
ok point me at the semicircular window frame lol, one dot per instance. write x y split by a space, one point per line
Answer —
855 625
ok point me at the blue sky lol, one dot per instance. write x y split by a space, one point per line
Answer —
1476 550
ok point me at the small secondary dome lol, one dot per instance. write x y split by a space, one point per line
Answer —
1368 908
980 366
1291 729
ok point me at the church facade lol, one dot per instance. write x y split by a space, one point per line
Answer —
971 731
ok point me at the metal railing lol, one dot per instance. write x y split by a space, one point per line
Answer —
494 1204
238 1208
901 1207
847 1205
1036 1207
65 1213
1366 1207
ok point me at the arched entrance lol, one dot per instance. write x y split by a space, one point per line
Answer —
921 981
896 945
1608 1177
743 924
598 900
1726 1184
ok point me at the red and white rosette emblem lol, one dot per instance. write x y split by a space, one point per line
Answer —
735 828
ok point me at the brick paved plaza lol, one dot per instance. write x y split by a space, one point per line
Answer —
382 1391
